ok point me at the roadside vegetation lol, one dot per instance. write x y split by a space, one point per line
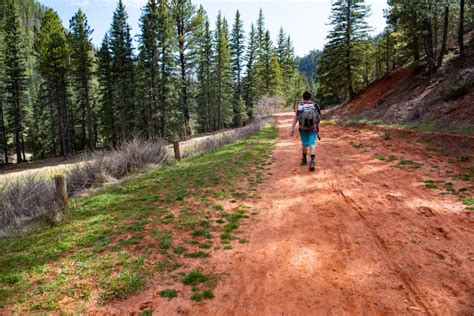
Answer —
120 239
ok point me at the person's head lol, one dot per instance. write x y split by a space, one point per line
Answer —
306 96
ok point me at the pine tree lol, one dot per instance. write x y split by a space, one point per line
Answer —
275 77
250 81
342 57
149 68
53 52
186 24
260 32
82 55
15 79
108 111
282 46
169 115
3 133
237 50
223 75
264 65
121 49
205 76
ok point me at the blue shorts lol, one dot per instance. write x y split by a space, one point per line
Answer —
308 138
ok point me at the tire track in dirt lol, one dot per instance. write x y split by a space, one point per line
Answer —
402 275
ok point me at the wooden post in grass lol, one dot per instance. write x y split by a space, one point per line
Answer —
61 190
177 153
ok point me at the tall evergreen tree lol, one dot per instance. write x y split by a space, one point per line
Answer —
205 76
342 57
123 75
250 81
53 52
275 77
108 111
15 77
186 25
3 133
82 55
237 48
260 31
265 64
149 68
223 75
281 47
169 115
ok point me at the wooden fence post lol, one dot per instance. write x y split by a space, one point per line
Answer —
177 153
61 190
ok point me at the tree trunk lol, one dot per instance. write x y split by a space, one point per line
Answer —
350 86
461 29
445 37
429 45
416 43
4 134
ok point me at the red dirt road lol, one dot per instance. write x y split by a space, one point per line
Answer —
356 237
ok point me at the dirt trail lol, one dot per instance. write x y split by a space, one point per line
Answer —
357 237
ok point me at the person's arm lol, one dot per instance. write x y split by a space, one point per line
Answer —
318 108
295 120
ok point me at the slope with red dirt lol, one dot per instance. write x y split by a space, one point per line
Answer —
418 99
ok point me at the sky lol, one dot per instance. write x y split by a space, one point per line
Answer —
306 21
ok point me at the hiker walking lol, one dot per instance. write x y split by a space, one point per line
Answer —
308 116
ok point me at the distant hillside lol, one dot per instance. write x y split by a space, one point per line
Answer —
442 101
308 64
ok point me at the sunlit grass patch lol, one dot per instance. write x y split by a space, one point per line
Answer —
117 240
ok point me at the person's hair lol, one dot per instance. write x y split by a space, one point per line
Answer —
306 96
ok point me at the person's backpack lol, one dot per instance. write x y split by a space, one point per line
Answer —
308 116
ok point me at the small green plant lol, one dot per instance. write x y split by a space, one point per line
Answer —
392 158
197 254
179 250
380 157
169 293
197 297
120 286
456 89
201 233
218 207
431 186
462 177
243 241
10 279
358 146
207 294
195 277
468 201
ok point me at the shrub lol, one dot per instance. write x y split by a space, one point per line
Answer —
26 198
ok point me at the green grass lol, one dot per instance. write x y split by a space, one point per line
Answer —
194 278
468 201
408 164
169 293
431 186
104 242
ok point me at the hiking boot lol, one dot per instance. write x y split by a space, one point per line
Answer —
304 162
311 165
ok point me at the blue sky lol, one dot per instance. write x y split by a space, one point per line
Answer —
304 20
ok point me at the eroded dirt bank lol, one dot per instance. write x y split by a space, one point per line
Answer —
358 236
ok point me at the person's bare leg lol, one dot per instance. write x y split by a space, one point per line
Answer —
304 149
313 156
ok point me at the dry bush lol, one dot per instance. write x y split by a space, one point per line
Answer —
267 106
215 141
103 167
28 197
